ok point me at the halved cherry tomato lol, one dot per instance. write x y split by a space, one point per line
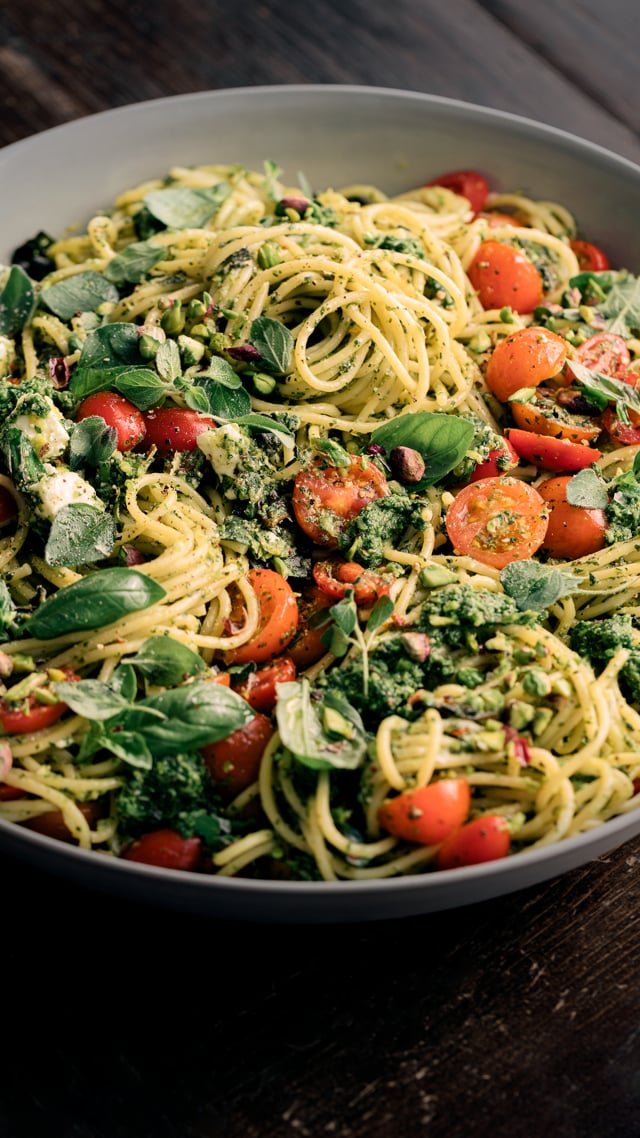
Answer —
335 577
628 434
326 498
8 506
499 462
525 359
573 531
497 521
468 183
503 275
307 648
605 352
545 415
222 678
591 258
53 825
484 839
166 849
277 622
117 412
429 814
172 429
16 720
9 793
234 762
552 454
259 688
495 218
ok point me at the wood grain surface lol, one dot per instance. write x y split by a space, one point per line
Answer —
517 1017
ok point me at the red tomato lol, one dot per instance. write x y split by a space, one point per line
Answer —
307 648
591 258
544 415
628 434
468 183
259 689
427 815
497 521
118 413
16 720
53 825
166 849
172 429
485 839
573 531
495 218
8 506
277 622
498 462
326 498
605 352
9 793
525 359
552 454
503 275
234 762
335 577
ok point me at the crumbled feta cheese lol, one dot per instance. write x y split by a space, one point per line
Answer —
224 448
62 489
46 433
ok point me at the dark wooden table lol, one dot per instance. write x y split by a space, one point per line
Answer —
517 1017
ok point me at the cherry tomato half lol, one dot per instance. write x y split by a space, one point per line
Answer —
429 814
497 521
499 461
573 531
234 762
52 823
117 412
605 352
16 720
503 275
277 622
525 359
591 258
335 577
166 849
496 219
307 648
546 415
485 839
8 506
627 434
326 498
552 454
259 688
468 184
172 429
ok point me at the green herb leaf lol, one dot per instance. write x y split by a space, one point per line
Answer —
197 399
442 440
92 441
597 385
196 714
98 599
92 699
264 423
167 361
302 729
221 371
110 346
587 489
167 662
21 460
227 403
80 534
133 263
17 302
380 613
621 308
274 342
535 587
140 385
124 682
83 292
181 207
129 746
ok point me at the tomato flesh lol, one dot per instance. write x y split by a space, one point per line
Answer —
498 462
628 434
307 648
525 359
545 416
18 719
468 184
573 531
117 412
605 352
429 814
336 577
484 839
497 521
166 849
591 258
234 762
259 689
277 621
172 429
503 275
326 498
552 454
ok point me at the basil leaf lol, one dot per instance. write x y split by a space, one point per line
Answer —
621 308
196 714
536 586
133 263
98 599
442 440
92 699
21 460
92 441
181 207
83 292
222 372
79 534
588 490
264 423
140 385
197 399
601 385
167 662
274 342
128 746
345 614
380 613
302 725
110 345
17 302
226 402
167 361
124 682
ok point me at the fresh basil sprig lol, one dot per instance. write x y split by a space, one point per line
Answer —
133 263
534 586
17 302
597 385
587 489
98 599
181 207
166 662
442 440
92 441
274 342
111 345
80 534
322 733
83 292
191 716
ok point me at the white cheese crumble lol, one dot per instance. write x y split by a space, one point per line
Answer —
62 489
47 433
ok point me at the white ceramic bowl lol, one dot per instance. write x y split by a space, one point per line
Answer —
335 136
